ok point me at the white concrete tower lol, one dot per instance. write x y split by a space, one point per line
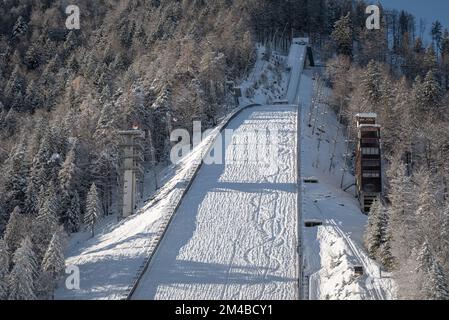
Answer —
131 171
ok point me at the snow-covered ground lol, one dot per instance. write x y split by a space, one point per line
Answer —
109 261
333 249
234 236
295 62
268 81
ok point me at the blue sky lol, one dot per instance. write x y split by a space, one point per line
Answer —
429 10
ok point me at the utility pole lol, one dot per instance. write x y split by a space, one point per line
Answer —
131 170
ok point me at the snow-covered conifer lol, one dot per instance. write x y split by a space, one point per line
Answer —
14 230
53 261
375 228
343 35
74 214
435 283
93 208
444 233
425 258
371 83
68 181
4 269
385 254
23 274
52 265
45 223
16 173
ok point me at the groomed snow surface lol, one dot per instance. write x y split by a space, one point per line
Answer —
109 261
234 236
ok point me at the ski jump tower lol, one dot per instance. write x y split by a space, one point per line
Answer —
131 171
368 160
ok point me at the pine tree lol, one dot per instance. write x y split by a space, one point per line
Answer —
52 266
74 214
16 173
374 44
38 176
418 47
10 122
93 208
435 283
427 95
33 56
68 181
53 261
445 57
73 64
46 223
23 274
444 234
385 254
343 35
427 203
436 33
20 27
401 212
46 165
425 258
375 229
102 170
4 216
430 61
15 87
4 269
14 230
371 83
71 42
33 97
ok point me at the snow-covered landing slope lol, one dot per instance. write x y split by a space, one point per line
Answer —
234 236
332 250
109 262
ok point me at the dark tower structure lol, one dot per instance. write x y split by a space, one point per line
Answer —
368 160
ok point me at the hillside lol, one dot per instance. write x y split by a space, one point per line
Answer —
160 65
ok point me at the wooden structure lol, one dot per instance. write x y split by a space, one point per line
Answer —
368 160
131 171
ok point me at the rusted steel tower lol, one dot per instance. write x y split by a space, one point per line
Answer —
368 160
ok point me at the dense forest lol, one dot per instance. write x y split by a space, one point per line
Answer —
64 95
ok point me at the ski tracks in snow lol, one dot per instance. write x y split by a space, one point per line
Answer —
234 235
